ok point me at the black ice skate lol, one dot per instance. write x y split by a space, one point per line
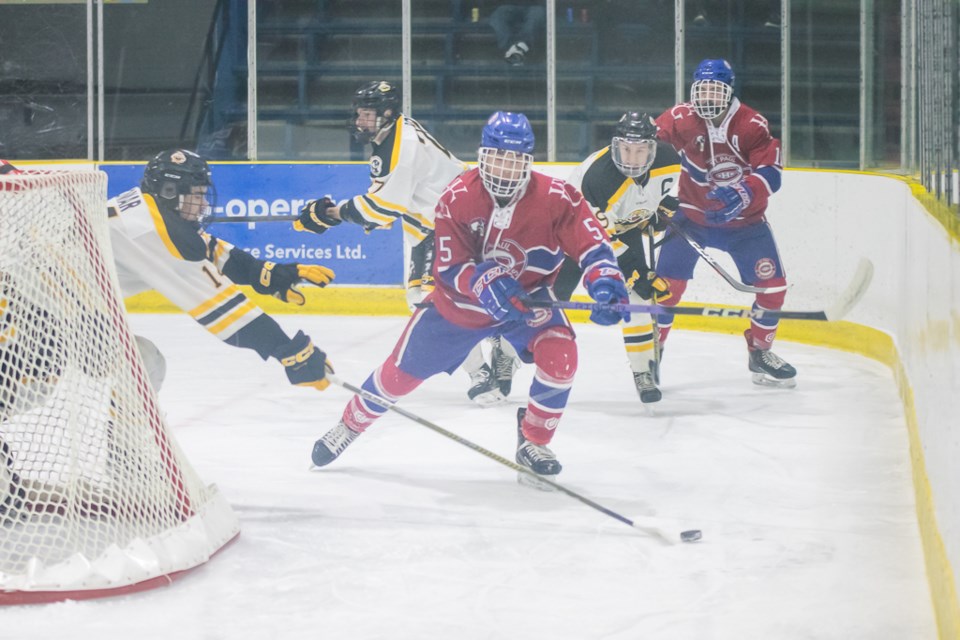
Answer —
332 444
646 387
536 457
771 370
504 366
484 389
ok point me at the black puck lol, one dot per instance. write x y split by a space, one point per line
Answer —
691 535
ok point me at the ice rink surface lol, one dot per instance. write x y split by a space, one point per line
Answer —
804 497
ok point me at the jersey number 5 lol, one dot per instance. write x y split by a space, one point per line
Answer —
593 227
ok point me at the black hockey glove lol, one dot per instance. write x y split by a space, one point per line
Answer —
280 280
306 366
665 210
648 284
313 216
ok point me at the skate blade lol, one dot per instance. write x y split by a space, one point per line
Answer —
530 481
766 381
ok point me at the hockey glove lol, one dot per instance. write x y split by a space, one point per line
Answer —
313 216
730 201
648 284
606 286
280 280
665 210
306 366
498 292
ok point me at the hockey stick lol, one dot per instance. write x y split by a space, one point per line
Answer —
840 307
653 532
287 218
655 334
736 284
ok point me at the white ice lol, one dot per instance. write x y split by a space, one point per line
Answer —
804 497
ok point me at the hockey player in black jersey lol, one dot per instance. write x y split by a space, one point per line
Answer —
629 184
159 242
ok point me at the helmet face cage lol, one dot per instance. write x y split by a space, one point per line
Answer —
504 172
633 157
382 97
710 98
506 153
180 179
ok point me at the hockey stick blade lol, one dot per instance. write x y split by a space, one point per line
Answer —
733 282
656 533
858 286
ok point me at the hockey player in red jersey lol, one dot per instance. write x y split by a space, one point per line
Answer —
502 231
730 166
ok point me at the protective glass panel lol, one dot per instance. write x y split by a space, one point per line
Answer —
612 57
747 35
471 59
43 81
825 83
155 59
884 85
311 57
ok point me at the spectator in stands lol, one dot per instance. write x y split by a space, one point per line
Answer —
705 11
519 24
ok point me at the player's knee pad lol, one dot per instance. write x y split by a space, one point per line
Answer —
772 300
675 292
153 361
555 353
392 382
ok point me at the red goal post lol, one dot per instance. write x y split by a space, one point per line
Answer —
96 497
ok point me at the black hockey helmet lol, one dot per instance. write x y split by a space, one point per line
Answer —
173 174
381 96
634 144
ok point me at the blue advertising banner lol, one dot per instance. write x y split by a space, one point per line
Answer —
264 190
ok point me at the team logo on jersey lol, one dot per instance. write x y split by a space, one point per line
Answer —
510 255
765 268
376 165
725 172
539 318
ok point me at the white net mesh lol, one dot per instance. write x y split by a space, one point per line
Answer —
94 493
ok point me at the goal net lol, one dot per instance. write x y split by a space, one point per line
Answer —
96 497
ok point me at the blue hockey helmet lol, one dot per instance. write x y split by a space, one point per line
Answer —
712 88
506 153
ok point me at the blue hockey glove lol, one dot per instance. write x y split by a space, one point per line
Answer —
731 201
498 292
606 286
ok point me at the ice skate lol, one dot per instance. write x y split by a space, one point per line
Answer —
536 457
504 366
646 387
484 389
771 370
331 445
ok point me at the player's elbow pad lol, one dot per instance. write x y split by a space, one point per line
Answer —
771 175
